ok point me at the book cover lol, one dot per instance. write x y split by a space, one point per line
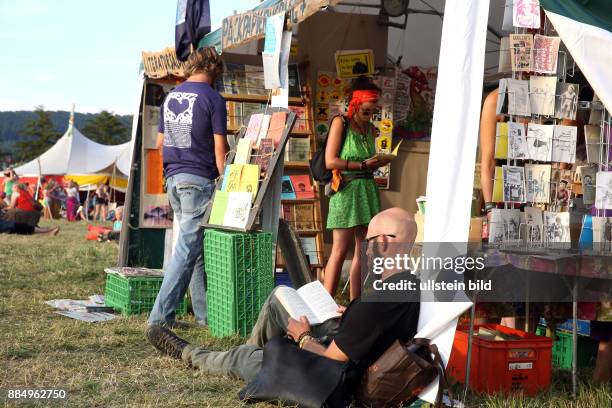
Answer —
526 13
301 119
277 126
287 213
287 191
538 182
264 154
498 186
298 149
566 103
502 97
545 52
514 184
603 190
517 141
309 245
592 140
601 233
249 179
561 187
254 126
534 225
254 80
263 129
587 175
304 217
238 209
234 115
557 227
219 205
521 52
539 141
226 175
302 187
233 181
243 151
504 226
518 97
501 141
505 59
542 94
564 144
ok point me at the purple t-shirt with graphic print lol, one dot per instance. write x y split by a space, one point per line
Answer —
189 117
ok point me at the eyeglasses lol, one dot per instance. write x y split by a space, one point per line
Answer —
370 239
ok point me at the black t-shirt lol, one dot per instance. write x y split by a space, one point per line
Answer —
368 329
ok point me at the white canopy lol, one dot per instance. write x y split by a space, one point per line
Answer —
75 154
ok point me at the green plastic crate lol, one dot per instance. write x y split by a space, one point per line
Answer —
239 277
562 349
134 294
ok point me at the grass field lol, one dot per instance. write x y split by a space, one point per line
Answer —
110 364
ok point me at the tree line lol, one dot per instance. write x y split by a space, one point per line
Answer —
39 133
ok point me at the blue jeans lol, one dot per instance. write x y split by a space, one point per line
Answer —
189 195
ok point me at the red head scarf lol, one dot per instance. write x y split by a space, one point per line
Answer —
360 97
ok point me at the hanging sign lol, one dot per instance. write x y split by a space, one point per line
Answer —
162 64
351 64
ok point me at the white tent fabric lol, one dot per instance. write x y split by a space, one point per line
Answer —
453 149
74 153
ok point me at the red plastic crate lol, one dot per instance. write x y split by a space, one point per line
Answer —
502 366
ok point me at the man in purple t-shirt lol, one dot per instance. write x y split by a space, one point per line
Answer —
192 132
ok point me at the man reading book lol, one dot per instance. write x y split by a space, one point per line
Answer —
361 334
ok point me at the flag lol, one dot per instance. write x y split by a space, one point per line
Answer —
192 23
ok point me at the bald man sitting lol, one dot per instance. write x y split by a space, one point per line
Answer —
362 334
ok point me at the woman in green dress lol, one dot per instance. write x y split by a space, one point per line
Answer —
353 206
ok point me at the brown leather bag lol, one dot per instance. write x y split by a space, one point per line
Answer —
401 374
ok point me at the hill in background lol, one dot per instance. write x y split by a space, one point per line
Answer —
12 123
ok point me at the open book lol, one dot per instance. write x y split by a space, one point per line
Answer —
311 300
387 156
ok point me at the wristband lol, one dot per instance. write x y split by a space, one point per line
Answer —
304 340
488 207
363 165
302 335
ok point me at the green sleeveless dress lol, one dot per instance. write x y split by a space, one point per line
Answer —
359 201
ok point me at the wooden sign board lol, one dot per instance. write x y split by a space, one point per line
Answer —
162 64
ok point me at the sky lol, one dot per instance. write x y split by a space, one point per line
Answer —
58 52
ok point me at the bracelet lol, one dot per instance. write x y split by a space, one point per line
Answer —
304 340
362 166
489 206
302 335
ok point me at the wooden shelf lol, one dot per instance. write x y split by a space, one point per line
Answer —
300 200
256 98
296 165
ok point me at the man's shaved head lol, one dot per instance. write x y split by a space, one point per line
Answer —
395 221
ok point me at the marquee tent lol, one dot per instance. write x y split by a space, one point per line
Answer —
78 158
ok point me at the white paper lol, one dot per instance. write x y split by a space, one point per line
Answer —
518 98
603 194
508 13
238 209
270 67
271 53
504 226
514 184
319 300
538 182
535 223
517 141
564 144
501 96
602 234
556 227
545 54
566 102
280 96
526 13
539 141
542 94
587 178
294 304
505 61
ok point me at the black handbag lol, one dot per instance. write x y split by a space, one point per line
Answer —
296 377
318 168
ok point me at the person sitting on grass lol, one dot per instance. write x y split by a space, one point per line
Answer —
116 231
362 334
21 228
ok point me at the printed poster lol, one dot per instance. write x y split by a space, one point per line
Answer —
351 64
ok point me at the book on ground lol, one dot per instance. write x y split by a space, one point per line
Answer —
311 300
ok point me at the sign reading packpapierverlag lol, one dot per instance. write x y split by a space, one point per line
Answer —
351 64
